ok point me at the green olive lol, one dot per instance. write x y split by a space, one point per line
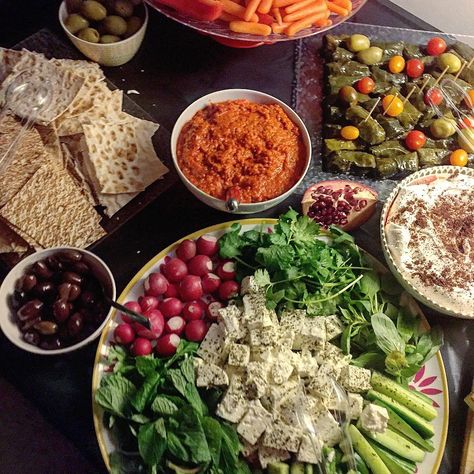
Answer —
356 43
75 23
450 61
93 10
466 139
134 23
124 8
106 39
442 128
89 34
370 56
73 6
114 25
348 94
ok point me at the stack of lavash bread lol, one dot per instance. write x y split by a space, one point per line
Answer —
83 154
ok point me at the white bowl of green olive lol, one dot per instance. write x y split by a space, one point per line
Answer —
109 32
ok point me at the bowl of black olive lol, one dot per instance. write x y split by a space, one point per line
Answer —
55 301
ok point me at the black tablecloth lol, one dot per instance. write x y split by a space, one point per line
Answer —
174 67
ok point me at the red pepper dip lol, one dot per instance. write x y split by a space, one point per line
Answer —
240 149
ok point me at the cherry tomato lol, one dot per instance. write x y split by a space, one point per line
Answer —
349 132
436 46
466 122
392 105
458 157
415 140
469 101
433 96
366 85
415 68
396 64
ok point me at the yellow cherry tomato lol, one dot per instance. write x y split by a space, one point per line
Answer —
470 99
392 105
458 157
396 64
349 132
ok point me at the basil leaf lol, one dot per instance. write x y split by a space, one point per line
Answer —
387 337
152 442
114 394
163 405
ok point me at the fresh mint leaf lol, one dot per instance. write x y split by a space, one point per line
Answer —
406 324
177 448
114 394
162 405
187 369
430 343
192 435
387 337
152 442
146 392
140 418
192 396
147 364
178 380
213 431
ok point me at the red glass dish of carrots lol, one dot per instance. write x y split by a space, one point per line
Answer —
264 17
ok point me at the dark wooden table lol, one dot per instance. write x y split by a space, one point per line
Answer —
174 67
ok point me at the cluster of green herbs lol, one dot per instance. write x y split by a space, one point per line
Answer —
161 422
324 272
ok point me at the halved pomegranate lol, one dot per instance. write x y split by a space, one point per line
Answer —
347 204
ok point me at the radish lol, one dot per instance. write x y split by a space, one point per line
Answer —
190 288
155 284
210 283
226 270
166 346
134 306
200 265
172 291
212 310
157 322
207 245
175 325
192 310
202 304
171 307
141 347
175 270
229 289
124 334
148 302
196 330
186 250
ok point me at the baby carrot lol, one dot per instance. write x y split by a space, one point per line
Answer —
297 6
235 9
265 6
283 3
251 8
304 13
305 23
277 28
347 4
277 15
252 28
337 9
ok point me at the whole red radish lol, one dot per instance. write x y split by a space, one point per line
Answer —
212 310
196 330
124 334
172 291
148 303
157 323
175 325
134 306
226 270
207 245
175 270
200 265
166 345
192 310
229 289
171 307
210 283
190 288
155 284
141 347
186 250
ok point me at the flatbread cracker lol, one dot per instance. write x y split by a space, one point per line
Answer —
10 241
52 210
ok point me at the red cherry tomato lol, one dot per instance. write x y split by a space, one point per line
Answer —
433 96
415 140
415 68
436 46
366 85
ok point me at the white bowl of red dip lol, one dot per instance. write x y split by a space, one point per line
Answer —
240 150
427 233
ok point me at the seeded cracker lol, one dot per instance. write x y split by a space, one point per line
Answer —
10 241
52 210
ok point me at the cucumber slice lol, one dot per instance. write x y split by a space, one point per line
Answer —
425 428
422 396
361 466
396 464
278 468
399 425
396 443
308 469
366 452
297 468
403 396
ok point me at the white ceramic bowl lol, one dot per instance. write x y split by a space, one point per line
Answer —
235 94
8 322
416 290
110 54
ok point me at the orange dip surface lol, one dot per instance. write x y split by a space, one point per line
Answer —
242 150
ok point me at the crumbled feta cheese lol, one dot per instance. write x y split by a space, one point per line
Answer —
310 449
328 429
356 403
355 379
211 375
267 455
232 406
212 347
282 436
374 418
334 327
254 422
239 355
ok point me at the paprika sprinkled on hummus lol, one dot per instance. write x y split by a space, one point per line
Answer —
243 150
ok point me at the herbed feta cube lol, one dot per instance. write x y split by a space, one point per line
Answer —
293 320
314 406
281 370
233 406
267 455
320 386
267 336
286 338
249 286
328 429
305 364
254 422
239 355
278 394
231 318
310 449
257 379
255 311
211 375
355 379
213 347
356 404
314 328
334 327
283 436
374 418
262 354
330 368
